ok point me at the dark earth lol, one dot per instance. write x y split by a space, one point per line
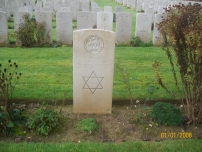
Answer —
124 124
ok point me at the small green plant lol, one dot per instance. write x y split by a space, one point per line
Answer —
9 116
43 120
88 124
167 114
137 42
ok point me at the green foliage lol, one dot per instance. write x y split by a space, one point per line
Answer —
137 42
167 114
30 32
88 124
9 116
9 119
43 120
181 31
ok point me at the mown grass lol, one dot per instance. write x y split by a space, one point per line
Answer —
47 73
165 146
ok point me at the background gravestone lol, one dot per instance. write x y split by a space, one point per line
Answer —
95 10
107 9
143 26
18 19
93 70
3 27
64 27
105 20
123 27
46 17
157 38
118 9
84 20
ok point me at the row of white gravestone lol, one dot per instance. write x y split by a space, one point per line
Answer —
85 21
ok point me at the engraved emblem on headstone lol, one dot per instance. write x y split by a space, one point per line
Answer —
94 44
105 17
144 18
63 17
92 82
43 16
124 18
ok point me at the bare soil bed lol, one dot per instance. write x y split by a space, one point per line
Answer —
124 124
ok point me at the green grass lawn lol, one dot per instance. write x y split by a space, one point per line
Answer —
47 73
165 146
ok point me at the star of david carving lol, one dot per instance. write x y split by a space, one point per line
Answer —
92 82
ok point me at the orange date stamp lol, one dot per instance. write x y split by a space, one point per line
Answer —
182 135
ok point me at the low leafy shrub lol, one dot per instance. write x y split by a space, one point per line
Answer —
31 33
88 124
11 119
43 120
167 114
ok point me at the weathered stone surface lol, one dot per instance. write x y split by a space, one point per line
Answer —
64 27
46 17
93 69
3 27
157 37
143 26
105 20
123 27
84 20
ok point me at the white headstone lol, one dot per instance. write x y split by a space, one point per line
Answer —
74 12
93 70
161 9
64 27
157 37
123 27
124 2
65 9
133 4
139 6
46 17
57 6
84 20
151 11
118 9
85 8
143 26
95 10
128 3
107 9
105 20
18 19
6 9
3 27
